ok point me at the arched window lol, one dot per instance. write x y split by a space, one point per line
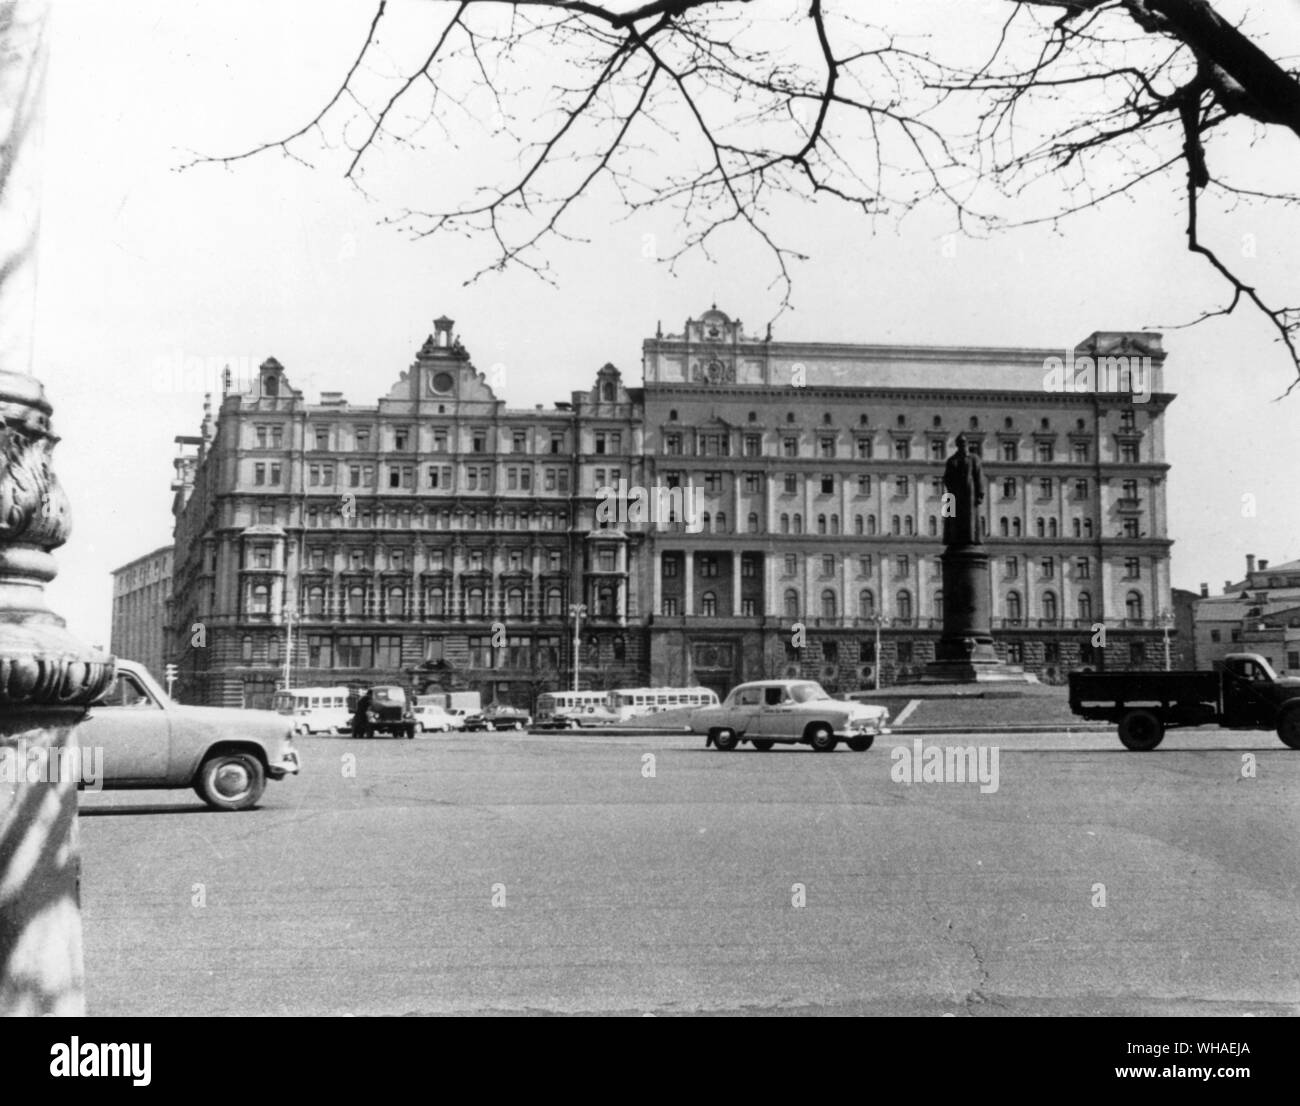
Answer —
515 603
821 524
1042 527
859 527
554 602
396 602
707 519
753 522
866 603
720 523
791 603
246 648
1078 528
261 599
437 603
933 526
1085 607
1133 606
1051 528
1014 612
798 523
1049 606
903 605
315 601
356 601
871 524
1003 527
909 525
708 604
835 524
895 525
828 604
474 602
273 650
938 603
785 524
1015 527
605 603
607 392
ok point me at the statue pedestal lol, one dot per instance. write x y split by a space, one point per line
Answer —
965 653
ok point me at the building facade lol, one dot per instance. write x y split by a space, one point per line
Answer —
142 591
442 538
1258 614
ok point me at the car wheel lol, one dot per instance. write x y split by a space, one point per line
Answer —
231 781
822 738
1288 728
726 740
764 745
419 728
860 744
1141 730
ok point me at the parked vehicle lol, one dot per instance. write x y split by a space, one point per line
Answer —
1242 692
390 712
551 703
498 717
315 709
148 741
636 702
433 718
577 718
766 712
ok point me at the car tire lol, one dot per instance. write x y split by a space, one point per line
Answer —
231 781
763 745
726 740
860 744
822 738
1141 730
419 728
1288 728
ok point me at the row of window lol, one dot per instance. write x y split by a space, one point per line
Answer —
363 439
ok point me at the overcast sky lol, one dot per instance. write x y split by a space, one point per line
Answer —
142 266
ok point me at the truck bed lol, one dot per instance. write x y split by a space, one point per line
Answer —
1105 695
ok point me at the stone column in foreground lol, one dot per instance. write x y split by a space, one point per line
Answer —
47 677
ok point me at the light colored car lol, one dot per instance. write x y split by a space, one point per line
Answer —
148 741
792 712
432 718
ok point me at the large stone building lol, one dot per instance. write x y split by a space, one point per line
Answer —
1258 614
142 590
441 536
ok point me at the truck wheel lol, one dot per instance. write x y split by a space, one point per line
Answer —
726 740
231 781
763 745
1141 730
822 738
1288 728
861 744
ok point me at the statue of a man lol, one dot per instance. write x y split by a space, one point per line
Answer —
963 479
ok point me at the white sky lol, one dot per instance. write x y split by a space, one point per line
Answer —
140 264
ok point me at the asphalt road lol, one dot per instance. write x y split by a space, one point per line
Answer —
495 873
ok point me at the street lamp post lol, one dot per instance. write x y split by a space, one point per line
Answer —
288 644
877 620
577 612
1166 622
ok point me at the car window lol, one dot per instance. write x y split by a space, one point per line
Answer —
748 697
808 693
773 696
127 692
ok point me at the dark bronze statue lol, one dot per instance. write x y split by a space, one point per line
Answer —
963 479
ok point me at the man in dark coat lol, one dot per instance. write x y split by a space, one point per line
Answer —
361 719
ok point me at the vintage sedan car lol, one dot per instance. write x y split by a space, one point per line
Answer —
149 741
498 717
432 718
790 711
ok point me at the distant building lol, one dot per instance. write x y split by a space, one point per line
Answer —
1258 614
438 537
142 590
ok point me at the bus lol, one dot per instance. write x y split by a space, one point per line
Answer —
551 703
315 709
636 702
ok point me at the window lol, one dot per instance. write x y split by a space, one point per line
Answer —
821 524
1015 652
355 651
277 437
474 602
1081 489
320 651
1045 487
1014 610
1046 452
790 484
864 449
791 564
1129 528
1010 451
1079 453
1048 568
752 482
322 438
670 568
361 436
259 474
866 603
753 445
1082 568
902 565
713 482
260 432
1050 612
1133 606
828 485
1084 604
1009 488
748 566
709 604
1128 420
901 485
396 605
1132 568
670 607
1013 566
753 522
708 565
388 651
790 447
791 603
246 649
401 438
260 599
903 605
828 564
1137 652
826 446
829 604
1128 453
